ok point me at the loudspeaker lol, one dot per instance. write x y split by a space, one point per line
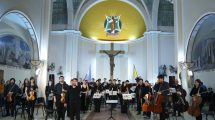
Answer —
52 78
171 81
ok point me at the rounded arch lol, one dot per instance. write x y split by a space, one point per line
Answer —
197 39
26 23
90 3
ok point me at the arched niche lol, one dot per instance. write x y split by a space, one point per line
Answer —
201 45
18 40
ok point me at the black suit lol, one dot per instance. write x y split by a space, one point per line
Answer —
74 101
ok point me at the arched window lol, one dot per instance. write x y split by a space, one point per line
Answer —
59 14
165 13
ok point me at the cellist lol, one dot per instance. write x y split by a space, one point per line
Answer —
147 90
162 88
199 90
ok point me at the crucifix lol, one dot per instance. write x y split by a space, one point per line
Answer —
111 54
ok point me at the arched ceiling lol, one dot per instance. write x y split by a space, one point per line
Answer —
92 23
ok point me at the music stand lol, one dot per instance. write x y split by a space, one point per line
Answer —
111 102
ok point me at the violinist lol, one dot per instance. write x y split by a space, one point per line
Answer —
162 88
31 96
97 90
24 88
198 90
10 92
147 92
180 93
59 97
139 94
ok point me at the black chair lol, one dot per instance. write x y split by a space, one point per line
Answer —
50 112
40 102
21 105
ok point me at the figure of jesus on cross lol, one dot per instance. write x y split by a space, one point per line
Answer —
111 54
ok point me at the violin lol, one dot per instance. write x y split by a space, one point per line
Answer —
32 96
63 97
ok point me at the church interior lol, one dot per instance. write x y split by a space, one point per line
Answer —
107 59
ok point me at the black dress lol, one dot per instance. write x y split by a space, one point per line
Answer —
97 101
74 101
84 96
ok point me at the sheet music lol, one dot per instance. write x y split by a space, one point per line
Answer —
126 96
111 101
112 92
172 90
97 96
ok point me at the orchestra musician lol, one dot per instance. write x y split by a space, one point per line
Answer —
180 92
162 88
147 92
24 88
113 87
11 90
74 99
139 94
84 96
1 94
200 91
60 91
124 90
49 94
31 96
97 90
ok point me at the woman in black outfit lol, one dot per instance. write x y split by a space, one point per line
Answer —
31 97
49 94
199 90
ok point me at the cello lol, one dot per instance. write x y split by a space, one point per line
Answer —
156 105
194 109
146 104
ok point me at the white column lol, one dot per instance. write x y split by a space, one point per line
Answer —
43 46
152 55
71 54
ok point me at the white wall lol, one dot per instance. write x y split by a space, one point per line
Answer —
166 54
86 58
17 73
138 57
57 55
103 62
192 11
207 77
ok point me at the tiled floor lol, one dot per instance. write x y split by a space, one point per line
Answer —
105 113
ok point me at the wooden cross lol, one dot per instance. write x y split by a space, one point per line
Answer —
111 54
